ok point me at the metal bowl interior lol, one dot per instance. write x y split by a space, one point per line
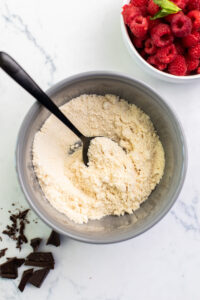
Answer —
109 229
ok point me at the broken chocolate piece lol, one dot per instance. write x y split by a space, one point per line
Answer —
22 215
54 239
38 277
3 252
24 279
18 261
40 259
35 243
9 269
16 230
21 238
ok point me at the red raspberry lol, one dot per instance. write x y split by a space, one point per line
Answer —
161 66
191 39
193 4
194 52
129 12
152 8
143 10
150 48
198 70
166 54
179 48
138 42
194 15
152 60
185 10
162 35
180 3
139 26
139 3
169 17
143 54
152 23
181 25
192 64
178 66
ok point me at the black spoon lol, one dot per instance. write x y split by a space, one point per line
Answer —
14 70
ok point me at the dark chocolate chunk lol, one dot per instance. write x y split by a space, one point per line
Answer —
40 259
38 277
54 239
18 261
24 279
35 243
3 252
9 269
21 237
16 230
13 219
22 215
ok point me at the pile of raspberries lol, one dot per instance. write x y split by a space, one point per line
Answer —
170 44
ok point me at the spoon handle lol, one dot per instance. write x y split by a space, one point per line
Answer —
11 67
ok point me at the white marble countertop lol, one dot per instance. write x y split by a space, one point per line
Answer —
55 39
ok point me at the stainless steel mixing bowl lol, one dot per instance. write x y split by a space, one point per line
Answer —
109 229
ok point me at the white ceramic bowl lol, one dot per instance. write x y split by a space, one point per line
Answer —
146 66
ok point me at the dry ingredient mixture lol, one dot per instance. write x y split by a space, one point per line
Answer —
125 164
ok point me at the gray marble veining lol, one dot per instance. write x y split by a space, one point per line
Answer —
17 22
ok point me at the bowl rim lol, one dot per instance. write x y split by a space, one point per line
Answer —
58 87
144 62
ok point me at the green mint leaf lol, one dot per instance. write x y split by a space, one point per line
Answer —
161 14
167 8
168 5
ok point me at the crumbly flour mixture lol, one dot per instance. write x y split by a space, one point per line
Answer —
125 164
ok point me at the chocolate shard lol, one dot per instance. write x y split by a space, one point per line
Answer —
15 231
38 277
22 215
13 218
9 269
24 279
18 261
54 239
40 259
21 238
3 252
35 243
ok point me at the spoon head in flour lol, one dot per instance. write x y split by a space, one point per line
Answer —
86 145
